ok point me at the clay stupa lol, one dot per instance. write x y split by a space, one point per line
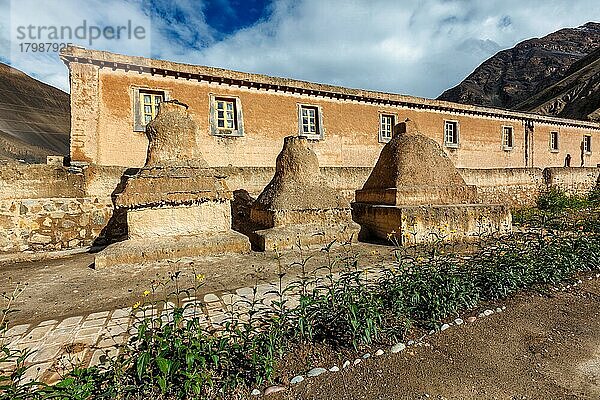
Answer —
415 194
298 206
176 205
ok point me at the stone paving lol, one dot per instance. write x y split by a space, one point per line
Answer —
56 346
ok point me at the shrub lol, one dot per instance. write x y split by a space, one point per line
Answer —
556 200
429 290
594 196
175 356
502 270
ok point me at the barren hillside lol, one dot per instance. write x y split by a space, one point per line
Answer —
34 118
575 96
557 74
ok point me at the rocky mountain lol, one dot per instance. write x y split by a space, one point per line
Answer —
34 118
575 96
558 74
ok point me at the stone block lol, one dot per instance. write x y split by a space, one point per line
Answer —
36 238
17 330
35 372
209 216
89 323
46 353
96 315
103 355
37 333
171 247
421 224
48 322
121 313
315 234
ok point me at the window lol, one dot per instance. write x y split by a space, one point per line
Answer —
507 137
226 116
146 106
310 121
587 144
386 127
150 102
553 141
451 134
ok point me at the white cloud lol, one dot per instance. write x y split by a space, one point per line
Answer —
30 21
413 47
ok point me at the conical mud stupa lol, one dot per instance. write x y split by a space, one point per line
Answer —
415 194
176 206
298 206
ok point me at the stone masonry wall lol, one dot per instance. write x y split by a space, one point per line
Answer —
47 207
52 223
516 187
572 180
44 207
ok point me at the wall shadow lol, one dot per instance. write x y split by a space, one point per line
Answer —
116 228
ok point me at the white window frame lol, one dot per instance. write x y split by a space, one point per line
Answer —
587 144
554 143
318 123
238 121
139 124
452 144
382 115
506 144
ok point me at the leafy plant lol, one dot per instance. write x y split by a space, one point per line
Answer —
555 199
177 355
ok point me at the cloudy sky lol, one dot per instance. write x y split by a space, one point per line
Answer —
412 47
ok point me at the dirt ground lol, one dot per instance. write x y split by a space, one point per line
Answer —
541 347
69 286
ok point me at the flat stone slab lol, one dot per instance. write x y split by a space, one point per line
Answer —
187 220
284 237
422 224
138 251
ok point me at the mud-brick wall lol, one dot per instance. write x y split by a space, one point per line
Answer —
21 181
517 187
52 223
254 179
346 180
574 181
251 179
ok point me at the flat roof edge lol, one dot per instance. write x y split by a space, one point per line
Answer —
104 58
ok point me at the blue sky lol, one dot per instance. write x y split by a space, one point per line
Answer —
416 47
